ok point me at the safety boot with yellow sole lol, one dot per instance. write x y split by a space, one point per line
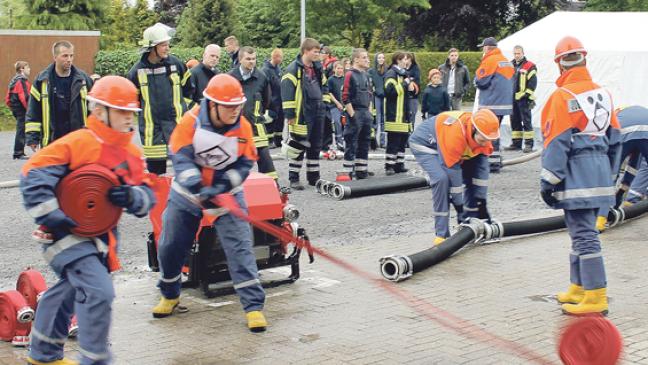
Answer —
438 240
601 223
63 361
256 321
574 294
594 301
165 307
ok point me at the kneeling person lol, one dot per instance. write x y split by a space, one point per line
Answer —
83 264
453 149
212 152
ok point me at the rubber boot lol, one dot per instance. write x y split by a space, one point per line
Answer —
600 223
165 307
574 294
438 240
256 321
516 145
594 301
63 361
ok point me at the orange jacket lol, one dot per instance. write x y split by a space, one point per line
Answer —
455 138
494 79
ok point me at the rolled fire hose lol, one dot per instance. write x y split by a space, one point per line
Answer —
83 196
31 285
15 318
398 267
389 184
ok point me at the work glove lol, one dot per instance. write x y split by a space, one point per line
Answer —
121 196
207 193
546 192
56 219
619 197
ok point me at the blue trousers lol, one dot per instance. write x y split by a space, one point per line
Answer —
85 288
639 186
178 234
586 261
357 138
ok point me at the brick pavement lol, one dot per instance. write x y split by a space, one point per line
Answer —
331 317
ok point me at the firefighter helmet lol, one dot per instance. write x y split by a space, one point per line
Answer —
156 34
486 123
224 89
569 45
115 92
192 63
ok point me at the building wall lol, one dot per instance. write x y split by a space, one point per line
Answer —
35 47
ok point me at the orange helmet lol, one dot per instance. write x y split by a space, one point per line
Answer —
192 63
569 45
486 123
115 92
224 89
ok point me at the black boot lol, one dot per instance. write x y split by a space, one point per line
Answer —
400 167
389 170
516 145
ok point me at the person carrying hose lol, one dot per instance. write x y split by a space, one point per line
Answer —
453 149
83 264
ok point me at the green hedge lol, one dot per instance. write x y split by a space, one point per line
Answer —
120 62
7 121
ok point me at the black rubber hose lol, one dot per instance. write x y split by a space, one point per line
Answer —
432 256
532 226
390 184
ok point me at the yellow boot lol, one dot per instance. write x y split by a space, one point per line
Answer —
63 361
574 294
256 321
595 301
600 223
165 307
438 240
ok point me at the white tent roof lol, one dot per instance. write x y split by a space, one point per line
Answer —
617 56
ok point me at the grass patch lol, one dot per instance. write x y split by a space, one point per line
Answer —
7 121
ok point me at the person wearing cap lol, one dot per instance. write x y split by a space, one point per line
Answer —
494 79
452 148
163 83
83 264
525 82
57 105
581 152
203 72
435 97
633 178
212 150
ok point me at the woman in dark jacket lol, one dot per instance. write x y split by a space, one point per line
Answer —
377 74
414 73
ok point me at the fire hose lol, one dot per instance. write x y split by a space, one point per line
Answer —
15 318
83 196
358 188
398 267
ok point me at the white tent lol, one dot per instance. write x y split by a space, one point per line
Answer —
617 53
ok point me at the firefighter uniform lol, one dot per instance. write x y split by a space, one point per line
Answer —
163 88
358 92
83 264
633 121
580 152
494 79
258 94
303 95
214 158
525 82
445 148
41 124
397 124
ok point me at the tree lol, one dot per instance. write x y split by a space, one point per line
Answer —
140 17
125 24
170 10
267 24
616 5
205 21
63 14
10 10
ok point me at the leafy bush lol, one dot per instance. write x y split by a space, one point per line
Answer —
7 121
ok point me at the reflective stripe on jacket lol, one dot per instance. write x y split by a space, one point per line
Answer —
494 81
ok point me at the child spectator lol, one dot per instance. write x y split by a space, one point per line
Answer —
435 97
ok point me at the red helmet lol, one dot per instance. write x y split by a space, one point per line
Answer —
567 46
115 92
486 123
224 89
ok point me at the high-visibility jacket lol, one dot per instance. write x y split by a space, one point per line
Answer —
525 79
494 79
203 155
40 125
396 105
98 144
294 94
581 142
449 134
163 88
258 97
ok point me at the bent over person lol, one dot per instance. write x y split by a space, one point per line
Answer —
212 152
83 264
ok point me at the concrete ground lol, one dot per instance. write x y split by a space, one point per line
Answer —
331 316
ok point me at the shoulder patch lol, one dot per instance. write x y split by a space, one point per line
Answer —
573 106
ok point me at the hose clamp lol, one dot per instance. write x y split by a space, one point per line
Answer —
477 226
396 267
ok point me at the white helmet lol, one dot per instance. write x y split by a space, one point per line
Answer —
156 34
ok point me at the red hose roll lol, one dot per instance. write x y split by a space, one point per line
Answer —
83 196
591 340
15 316
31 285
